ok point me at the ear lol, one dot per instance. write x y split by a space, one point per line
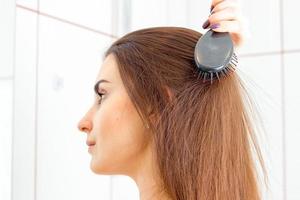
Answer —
152 116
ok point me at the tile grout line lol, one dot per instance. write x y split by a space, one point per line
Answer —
66 21
269 53
36 101
13 107
7 78
283 108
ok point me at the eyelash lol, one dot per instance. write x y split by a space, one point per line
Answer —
100 95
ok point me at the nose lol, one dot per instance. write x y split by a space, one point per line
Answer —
85 125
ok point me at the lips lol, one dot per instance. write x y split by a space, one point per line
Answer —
90 143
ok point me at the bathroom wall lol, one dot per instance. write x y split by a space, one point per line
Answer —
51 52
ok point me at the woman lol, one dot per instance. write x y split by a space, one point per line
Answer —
175 136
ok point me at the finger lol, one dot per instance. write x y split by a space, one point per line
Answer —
216 2
224 15
227 26
225 4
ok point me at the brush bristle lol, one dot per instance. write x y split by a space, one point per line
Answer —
212 76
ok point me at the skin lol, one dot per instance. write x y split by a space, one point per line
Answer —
227 13
122 144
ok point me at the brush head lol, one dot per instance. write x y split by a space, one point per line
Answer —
214 54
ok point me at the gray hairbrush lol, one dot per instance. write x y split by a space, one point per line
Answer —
214 55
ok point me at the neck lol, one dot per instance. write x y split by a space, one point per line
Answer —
146 177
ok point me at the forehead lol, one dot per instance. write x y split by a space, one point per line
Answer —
109 70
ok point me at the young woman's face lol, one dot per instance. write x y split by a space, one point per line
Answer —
113 125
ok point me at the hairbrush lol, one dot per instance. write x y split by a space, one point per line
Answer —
214 55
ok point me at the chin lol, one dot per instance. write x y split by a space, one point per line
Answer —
100 168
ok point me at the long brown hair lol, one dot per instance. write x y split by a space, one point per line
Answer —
202 132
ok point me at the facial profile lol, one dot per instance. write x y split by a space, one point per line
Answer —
113 125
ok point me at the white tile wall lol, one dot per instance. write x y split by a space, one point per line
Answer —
28 3
146 13
262 76
198 12
124 188
264 25
7 29
291 29
24 106
5 135
69 60
292 105
96 14
7 25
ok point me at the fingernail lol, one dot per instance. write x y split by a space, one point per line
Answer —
205 24
214 26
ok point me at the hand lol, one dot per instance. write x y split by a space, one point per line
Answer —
226 16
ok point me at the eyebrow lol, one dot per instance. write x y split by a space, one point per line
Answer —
97 84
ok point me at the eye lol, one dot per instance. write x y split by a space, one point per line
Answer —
100 97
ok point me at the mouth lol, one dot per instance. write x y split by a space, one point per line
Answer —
91 147
90 143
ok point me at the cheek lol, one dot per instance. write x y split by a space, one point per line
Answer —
119 134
